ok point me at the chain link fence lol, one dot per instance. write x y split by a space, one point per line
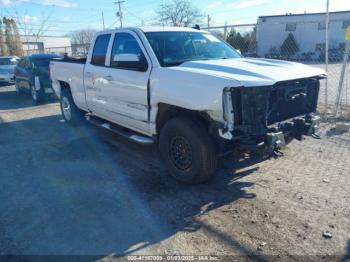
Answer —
75 50
302 42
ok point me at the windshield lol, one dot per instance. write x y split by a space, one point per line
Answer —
8 61
174 48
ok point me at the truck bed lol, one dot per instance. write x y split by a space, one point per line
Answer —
69 71
69 59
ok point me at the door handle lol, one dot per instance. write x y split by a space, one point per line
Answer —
88 74
109 78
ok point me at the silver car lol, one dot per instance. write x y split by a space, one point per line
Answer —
7 66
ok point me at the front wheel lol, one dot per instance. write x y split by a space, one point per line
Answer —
70 112
188 150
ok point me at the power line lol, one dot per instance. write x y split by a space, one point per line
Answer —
142 20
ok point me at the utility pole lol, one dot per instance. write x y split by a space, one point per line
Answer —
120 13
103 20
327 55
208 20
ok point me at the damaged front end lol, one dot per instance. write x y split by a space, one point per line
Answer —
268 117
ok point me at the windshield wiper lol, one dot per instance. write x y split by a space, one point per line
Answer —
176 63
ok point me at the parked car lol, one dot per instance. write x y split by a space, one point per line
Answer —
7 66
190 93
32 75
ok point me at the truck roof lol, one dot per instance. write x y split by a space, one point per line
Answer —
147 29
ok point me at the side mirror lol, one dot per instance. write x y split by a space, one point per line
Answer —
130 61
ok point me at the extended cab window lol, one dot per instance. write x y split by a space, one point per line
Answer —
100 50
126 52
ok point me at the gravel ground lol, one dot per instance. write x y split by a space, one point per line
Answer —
81 190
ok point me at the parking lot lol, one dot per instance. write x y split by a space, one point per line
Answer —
81 190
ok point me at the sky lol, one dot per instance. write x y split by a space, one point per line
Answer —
64 16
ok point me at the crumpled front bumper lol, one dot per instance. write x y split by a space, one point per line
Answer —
275 139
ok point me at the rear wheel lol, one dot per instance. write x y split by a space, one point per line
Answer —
37 95
188 150
18 88
70 112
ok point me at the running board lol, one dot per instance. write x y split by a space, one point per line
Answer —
124 132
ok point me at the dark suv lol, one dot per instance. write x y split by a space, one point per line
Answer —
32 75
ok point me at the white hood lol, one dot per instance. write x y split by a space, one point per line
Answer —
252 71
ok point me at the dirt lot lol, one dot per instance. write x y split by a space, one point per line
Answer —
80 190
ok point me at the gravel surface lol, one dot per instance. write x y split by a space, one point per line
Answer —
82 190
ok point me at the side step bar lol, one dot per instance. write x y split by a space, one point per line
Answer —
124 132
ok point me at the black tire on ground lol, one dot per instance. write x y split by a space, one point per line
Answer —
188 150
288 139
38 96
70 112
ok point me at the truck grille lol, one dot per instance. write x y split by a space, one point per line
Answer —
258 107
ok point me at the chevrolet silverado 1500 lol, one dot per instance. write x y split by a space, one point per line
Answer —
189 92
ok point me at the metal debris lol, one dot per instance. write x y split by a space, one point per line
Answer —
327 234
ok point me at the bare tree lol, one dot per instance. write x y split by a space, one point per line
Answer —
32 30
178 13
17 37
81 39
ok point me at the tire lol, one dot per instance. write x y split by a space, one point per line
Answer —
37 96
188 150
19 91
70 112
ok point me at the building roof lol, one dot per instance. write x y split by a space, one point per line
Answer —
302 14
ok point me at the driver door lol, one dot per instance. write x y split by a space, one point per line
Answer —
126 77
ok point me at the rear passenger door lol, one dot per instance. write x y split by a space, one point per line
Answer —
93 75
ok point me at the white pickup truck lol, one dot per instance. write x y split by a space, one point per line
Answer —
189 92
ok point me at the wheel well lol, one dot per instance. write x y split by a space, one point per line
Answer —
167 112
64 85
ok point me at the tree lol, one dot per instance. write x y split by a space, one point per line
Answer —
244 43
178 13
3 47
250 39
9 37
81 39
237 41
217 33
289 46
12 44
31 29
18 48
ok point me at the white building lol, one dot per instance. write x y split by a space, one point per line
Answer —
45 44
308 30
